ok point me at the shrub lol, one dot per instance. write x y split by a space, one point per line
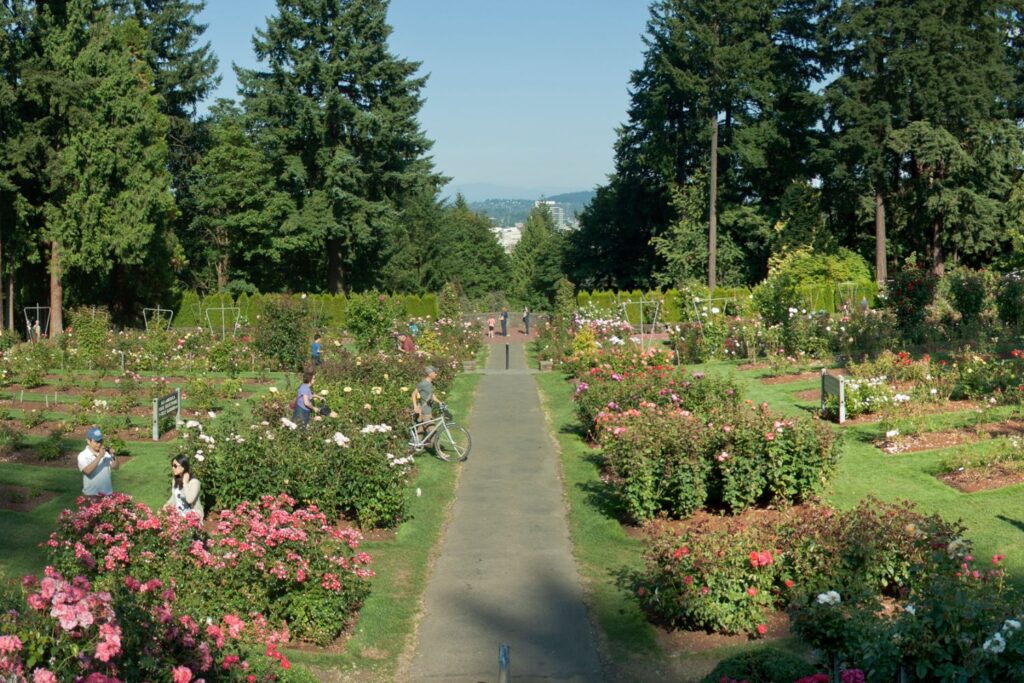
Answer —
725 575
10 439
370 318
909 294
331 464
1010 299
764 665
968 290
288 565
86 337
673 462
281 332
50 448
59 629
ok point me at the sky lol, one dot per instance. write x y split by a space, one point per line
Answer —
523 96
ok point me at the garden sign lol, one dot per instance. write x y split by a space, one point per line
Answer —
833 386
163 407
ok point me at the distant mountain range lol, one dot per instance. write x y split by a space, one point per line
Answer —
507 212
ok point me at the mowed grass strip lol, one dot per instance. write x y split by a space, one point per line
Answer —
146 477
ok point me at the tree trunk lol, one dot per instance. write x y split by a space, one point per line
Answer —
712 211
1 280
937 253
56 292
222 273
881 271
335 269
10 302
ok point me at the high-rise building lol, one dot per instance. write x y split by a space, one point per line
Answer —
556 210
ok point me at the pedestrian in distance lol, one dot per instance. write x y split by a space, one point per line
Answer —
95 462
304 400
406 344
491 322
504 321
526 320
315 350
185 489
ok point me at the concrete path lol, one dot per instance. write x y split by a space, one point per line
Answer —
505 573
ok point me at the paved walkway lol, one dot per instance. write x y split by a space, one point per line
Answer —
505 573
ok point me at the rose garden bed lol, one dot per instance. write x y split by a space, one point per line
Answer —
23 498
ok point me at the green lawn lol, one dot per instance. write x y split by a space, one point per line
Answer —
386 622
994 520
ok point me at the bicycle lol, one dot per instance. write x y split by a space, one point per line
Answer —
446 437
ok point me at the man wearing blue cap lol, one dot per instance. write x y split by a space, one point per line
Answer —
96 462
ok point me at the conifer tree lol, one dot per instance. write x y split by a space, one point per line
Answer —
338 110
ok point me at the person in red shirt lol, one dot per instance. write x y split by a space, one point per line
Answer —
406 344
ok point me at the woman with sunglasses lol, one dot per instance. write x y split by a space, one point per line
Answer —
185 496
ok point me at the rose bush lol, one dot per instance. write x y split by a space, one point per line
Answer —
727 575
58 629
289 566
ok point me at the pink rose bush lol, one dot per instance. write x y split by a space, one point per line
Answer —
67 630
273 562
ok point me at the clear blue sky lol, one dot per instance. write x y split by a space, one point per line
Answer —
522 94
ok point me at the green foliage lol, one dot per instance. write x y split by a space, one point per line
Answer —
371 319
969 292
86 341
909 294
449 305
764 665
281 333
537 261
186 315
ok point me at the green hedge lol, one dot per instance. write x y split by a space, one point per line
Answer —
327 309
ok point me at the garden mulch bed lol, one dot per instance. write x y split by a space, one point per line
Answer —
66 408
28 456
134 434
973 480
927 441
800 377
22 498
699 641
912 409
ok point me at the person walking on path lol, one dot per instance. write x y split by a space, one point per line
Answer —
95 463
526 319
304 400
491 322
184 489
315 350
504 321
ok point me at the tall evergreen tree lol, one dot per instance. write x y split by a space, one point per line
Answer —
469 251
537 260
338 113
105 190
915 80
238 230
724 90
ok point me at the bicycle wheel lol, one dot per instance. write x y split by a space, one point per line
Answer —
452 442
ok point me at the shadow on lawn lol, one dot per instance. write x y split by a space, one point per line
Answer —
601 495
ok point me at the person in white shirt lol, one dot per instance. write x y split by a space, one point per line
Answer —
185 496
95 463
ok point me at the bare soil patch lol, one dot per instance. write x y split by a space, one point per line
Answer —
27 456
699 641
800 377
22 498
914 409
987 479
927 441
137 433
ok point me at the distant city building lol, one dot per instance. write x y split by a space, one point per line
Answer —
556 210
508 238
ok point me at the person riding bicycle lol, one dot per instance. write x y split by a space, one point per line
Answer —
423 395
